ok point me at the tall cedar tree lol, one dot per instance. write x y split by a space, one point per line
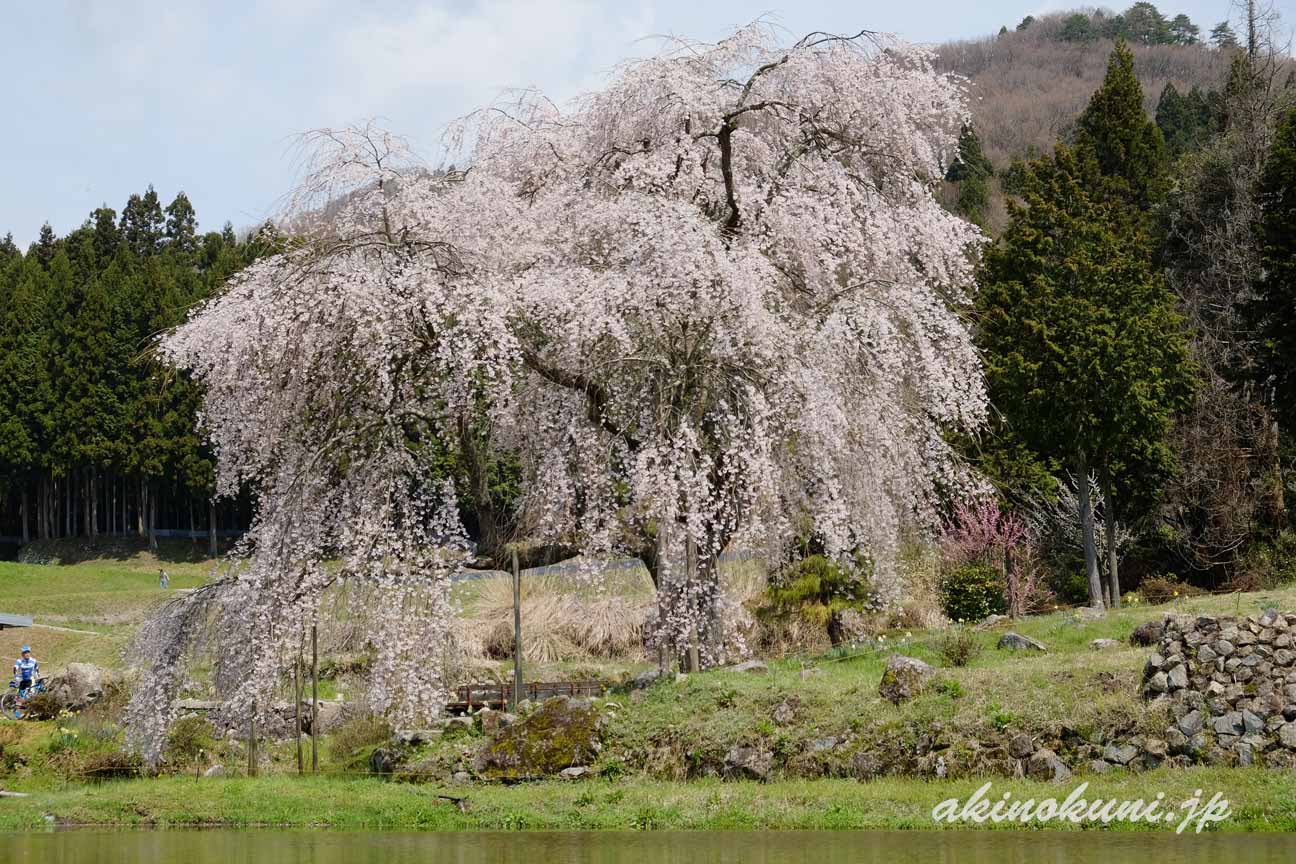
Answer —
1126 144
93 429
1084 352
1274 310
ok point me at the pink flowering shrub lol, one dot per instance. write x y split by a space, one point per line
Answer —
983 534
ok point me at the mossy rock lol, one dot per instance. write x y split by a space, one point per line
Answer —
562 733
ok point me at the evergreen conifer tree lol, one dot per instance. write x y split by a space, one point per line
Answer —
1084 352
1127 145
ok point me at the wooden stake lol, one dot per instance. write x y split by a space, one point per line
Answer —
517 631
690 555
297 697
314 699
252 742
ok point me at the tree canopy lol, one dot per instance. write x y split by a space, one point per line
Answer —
715 301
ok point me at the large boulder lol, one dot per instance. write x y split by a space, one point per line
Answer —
1044 764
904 678
1147 633
331 714
561 733
79 686
748 763
1018 642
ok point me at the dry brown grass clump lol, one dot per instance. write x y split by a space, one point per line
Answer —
556 624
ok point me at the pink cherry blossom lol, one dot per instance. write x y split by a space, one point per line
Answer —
715 302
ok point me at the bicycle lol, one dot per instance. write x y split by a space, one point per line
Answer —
14 703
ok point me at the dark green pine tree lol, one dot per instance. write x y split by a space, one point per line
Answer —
1127 145
1223 37
107 235
1184 31
1078 28
25 390
1186 122
1085 355
1273 312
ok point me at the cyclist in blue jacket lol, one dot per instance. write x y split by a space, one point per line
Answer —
25 669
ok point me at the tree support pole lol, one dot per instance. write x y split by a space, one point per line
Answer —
252 742
517 632
314 699
297 700
693 600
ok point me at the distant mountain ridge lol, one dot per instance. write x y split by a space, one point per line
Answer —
1029 85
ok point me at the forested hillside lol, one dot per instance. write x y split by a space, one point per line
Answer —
96 436
1030 83
1134 313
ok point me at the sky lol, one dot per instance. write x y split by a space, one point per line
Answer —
104 98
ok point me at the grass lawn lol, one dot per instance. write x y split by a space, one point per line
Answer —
108 598
1259 800
660 735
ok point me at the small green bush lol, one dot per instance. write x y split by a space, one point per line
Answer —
820 591
972 592
1163 589
958 646
949 687
355 739
188 738
1266 564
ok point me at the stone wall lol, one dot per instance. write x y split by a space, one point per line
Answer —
1231 686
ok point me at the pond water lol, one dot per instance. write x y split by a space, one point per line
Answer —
704 847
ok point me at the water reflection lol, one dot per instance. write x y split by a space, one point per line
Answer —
707 847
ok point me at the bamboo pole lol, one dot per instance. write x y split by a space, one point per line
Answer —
663 657
297 697
690 555
314 699
252 742
517 632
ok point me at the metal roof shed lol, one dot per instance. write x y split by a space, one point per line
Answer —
7 620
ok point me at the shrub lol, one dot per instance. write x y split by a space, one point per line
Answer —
1267 564
1163 589
42 706
972 592
111 764
819 590
356 738
188 738
958 646
949 687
